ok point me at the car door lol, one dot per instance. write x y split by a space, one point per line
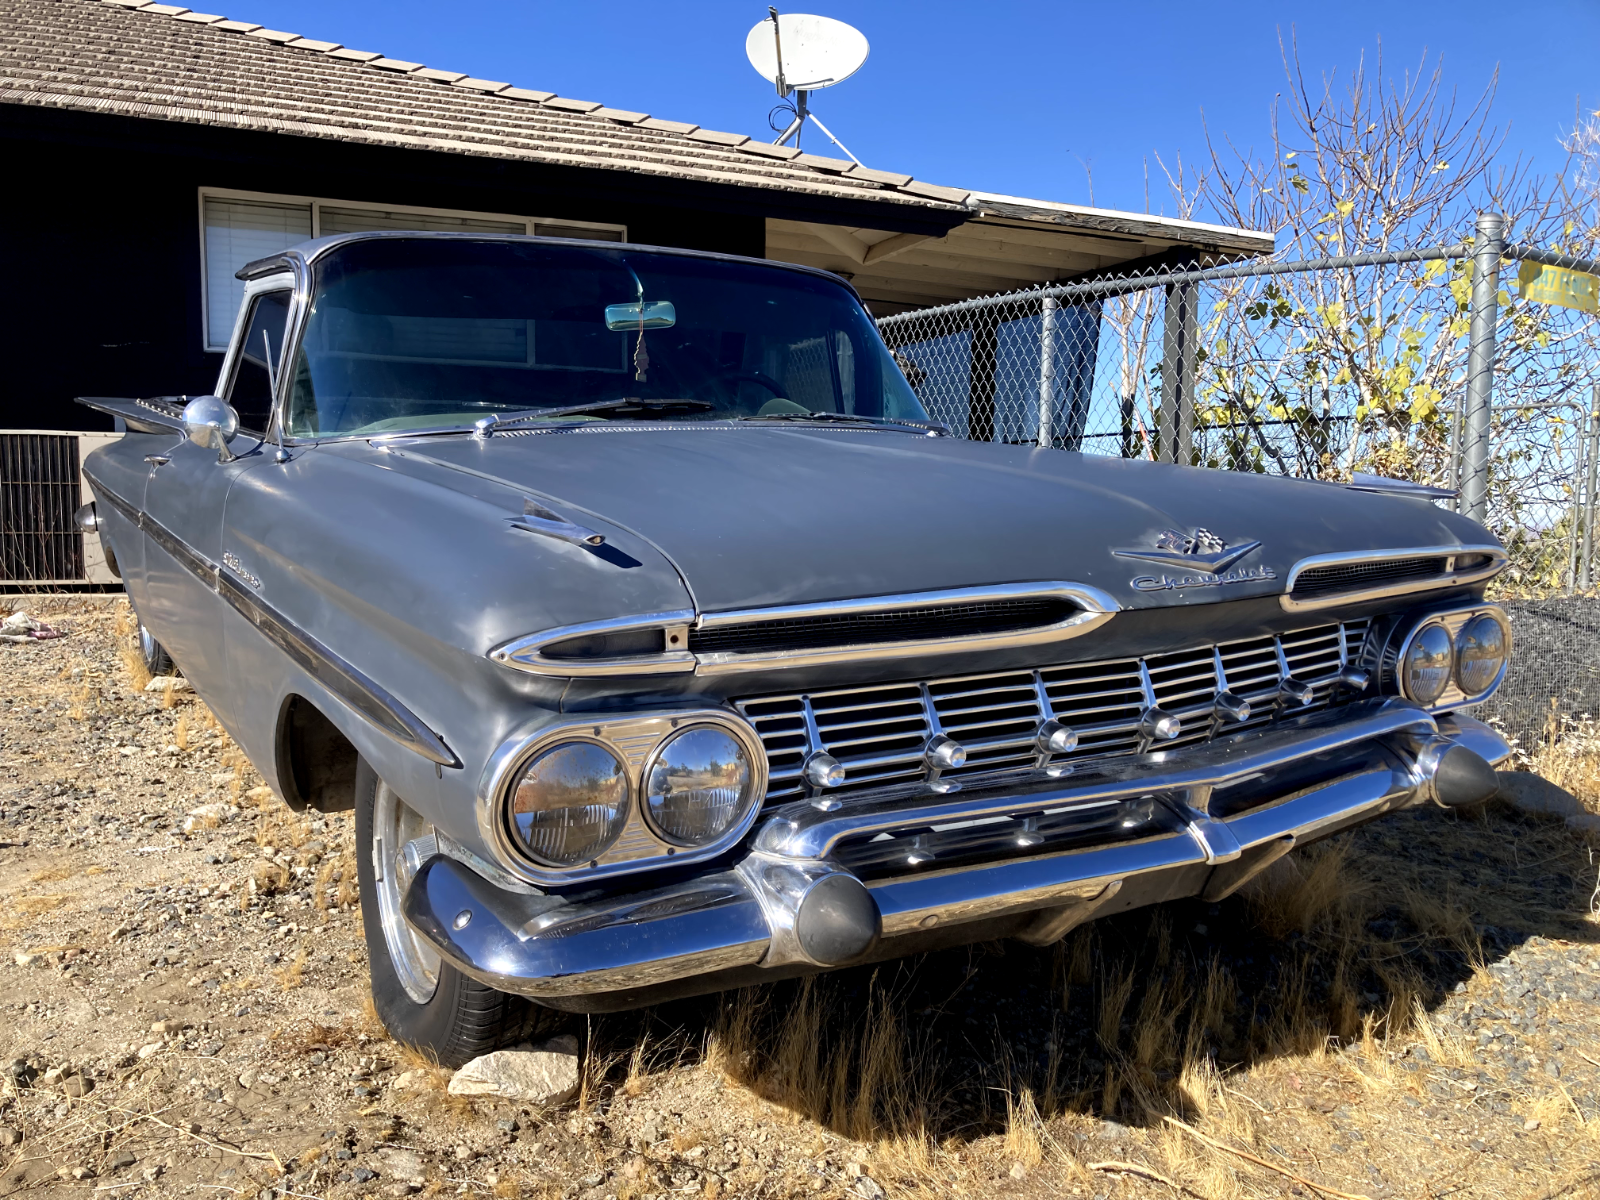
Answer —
184 500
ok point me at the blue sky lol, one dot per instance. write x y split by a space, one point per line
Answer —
1001 97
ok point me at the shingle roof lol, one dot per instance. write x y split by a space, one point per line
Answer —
164 62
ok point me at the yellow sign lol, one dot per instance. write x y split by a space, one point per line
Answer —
1558 285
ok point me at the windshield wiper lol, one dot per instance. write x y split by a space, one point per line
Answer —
484 426
937 428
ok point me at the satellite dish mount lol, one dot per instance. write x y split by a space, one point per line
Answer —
821 52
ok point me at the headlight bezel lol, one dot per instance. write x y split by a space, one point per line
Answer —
634 739
1402 634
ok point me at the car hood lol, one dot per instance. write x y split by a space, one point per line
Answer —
754 516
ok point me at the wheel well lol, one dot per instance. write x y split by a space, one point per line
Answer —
316 763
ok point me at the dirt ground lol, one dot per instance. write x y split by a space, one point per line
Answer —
1414 1010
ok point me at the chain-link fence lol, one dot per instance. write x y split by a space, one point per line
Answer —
1554 677
1427 364
1315 369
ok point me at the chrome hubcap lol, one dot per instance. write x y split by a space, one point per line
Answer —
147 644
396 829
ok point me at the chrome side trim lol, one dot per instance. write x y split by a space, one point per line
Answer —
364 695
1095 608
634 738
1451 578
369 699
527 653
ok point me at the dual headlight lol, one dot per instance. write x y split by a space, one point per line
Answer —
571 802
1468 653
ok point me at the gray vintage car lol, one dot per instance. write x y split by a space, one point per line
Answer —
662 644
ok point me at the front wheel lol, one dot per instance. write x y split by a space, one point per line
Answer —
155 658
421 999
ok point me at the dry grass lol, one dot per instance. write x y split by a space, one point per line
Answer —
1568 755
849 1067
1302 992
33 906
293 974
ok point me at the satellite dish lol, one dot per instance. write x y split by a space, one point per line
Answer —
799 53
818 52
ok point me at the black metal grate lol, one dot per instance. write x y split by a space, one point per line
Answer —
1352 577
893 625
39 493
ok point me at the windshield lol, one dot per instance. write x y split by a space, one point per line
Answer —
417 333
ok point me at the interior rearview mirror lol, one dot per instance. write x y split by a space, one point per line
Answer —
210 421
644 314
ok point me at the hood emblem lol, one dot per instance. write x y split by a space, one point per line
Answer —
1204 558
1201 550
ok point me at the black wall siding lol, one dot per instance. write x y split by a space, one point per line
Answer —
101 241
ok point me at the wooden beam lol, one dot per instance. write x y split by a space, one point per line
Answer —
889 247
842 240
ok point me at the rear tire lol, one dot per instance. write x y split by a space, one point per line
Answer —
421 999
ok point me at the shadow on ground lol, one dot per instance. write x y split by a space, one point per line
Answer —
1126 1017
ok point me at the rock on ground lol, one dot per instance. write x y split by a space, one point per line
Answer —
1537 796
545 1076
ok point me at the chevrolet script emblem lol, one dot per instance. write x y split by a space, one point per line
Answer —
1204 557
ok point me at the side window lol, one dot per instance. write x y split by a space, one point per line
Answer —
251 392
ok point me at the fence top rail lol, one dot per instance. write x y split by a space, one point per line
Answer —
1553 258
1118 285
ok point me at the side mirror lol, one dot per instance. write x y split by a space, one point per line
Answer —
210 421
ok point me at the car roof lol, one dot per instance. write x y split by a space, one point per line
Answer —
307 253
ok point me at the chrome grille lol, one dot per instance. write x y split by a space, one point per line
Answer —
878 733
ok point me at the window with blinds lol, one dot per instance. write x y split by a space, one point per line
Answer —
238 232
240 229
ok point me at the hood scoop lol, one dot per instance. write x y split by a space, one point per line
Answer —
536 518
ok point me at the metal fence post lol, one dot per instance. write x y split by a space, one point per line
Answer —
1180 329
1047 369
1589 498
1487 247
1573 532
980 412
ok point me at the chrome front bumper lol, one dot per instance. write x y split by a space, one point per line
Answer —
790 905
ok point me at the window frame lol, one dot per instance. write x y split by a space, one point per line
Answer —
316 203
271 285
278 281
